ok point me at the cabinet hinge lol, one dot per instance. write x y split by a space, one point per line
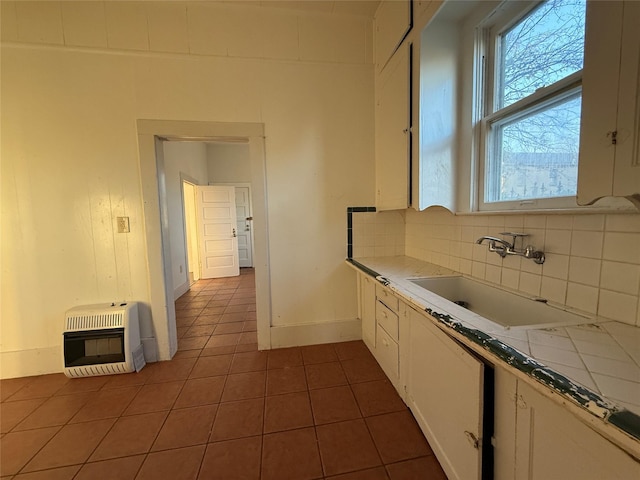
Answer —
614 136
473 440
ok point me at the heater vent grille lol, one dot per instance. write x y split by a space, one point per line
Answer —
95 321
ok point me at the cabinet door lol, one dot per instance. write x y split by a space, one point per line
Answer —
610 88
626 178
368 310
445 388
552 443
392 23
393 133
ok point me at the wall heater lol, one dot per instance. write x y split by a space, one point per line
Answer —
102 339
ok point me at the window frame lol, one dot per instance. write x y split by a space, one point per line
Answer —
487 114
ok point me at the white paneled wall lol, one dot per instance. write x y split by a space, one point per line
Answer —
76 76
592 265
198 28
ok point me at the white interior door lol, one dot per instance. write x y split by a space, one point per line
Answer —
218 241
244 218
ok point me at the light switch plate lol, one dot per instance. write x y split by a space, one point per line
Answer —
123 225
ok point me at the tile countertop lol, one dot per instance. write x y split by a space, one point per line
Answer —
596 366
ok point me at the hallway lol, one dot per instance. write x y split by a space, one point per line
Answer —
219 410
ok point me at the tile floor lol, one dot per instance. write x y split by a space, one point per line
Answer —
219 410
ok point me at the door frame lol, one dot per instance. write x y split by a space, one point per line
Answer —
151 135
248 185
188 229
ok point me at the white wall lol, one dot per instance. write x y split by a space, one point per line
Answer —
190 160
75 78
229 163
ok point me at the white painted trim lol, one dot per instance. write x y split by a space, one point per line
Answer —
315 333
26 363
181 290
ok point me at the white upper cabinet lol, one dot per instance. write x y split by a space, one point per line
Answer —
393 132
609 137
392 23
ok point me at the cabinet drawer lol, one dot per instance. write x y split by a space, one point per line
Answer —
386 297
387 354
387 319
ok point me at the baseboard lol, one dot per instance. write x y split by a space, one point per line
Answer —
27 363
314 333
180 290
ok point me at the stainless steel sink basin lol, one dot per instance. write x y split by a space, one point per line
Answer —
507 309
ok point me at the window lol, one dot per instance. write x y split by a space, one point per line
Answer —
529 102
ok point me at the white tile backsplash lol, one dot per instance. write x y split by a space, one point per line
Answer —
592 260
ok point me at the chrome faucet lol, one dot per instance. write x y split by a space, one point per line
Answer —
504 248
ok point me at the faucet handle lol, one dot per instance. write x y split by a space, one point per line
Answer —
514 235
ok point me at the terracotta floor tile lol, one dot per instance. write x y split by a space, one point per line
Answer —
12 413
226 328
54 411
186 354
238 419
249 362
17 448
208 352
106 404
233 317
232 460
242 300
186 427
85 384
200 330
398 436
375 398
286 412
334 404
284 357
189 312
180 333
223 340
248 338
116 469
192 343
210 317
201 391
325 375
423 468
71 445
41 386
183 322
170 371
286 380
129 379
236 309
378 473
247 347
351 350
250 326
130 435
177 464
211 366
346 446
241 386
62 473
218 303
318 354
155 397
292 454
9 386
362 370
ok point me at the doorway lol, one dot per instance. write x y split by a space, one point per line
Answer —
151 135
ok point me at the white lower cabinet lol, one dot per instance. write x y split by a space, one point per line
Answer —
482 421
367 306
553 444
445 385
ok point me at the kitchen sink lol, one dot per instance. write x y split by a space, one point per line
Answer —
507 309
